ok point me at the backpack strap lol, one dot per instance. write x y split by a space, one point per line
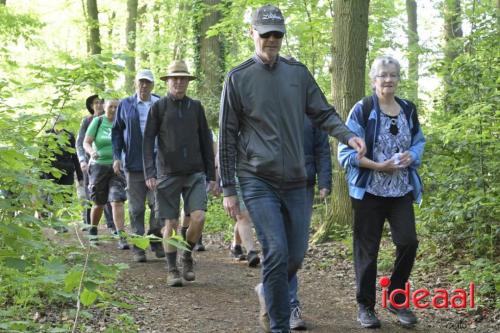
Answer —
367 109
411 111
99 122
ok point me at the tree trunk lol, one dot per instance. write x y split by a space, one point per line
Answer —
130 31
144 55
182 29
413 49
93 23
453 28
453 47
210 67
350 33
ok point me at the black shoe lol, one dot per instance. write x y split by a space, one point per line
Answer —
122 243
61 229
93 235
237 252
367 318
199 247
157 248
296 321
253 259
405 316
139 255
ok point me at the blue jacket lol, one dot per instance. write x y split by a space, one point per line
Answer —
358 178
126 134
317 156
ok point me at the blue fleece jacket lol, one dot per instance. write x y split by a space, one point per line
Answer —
126 135
358 178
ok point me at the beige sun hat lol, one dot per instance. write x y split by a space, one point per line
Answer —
177 68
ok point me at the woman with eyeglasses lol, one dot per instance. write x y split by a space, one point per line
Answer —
383 185
105 184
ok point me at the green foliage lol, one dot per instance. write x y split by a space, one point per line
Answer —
461 209
217 219
40 270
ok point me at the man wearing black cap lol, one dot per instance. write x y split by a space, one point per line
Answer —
95 107
127 136
264 102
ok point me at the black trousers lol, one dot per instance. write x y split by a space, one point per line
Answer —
370 214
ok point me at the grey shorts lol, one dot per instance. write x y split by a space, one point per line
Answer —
106 186
169 190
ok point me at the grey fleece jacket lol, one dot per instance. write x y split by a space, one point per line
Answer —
262 122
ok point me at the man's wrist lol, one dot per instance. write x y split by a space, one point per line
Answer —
229 191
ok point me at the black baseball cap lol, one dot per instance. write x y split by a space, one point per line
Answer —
268 18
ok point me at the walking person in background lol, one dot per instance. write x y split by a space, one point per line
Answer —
106 184
264 102
64 160
383 185
127 134
184 164
95 106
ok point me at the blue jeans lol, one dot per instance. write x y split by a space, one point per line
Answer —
293 283
281 220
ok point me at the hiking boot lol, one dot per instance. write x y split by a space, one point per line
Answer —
93 235
199 247
187 268
263 315
237 253
296 321
157 248
253 259
139 255
174 278
122 243
405 316
367 318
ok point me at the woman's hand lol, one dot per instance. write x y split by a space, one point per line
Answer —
405 160
388 166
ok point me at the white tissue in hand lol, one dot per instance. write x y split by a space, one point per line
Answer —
397 158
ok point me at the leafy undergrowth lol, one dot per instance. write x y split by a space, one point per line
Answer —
48 282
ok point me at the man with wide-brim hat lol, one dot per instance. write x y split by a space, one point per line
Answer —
178 68
184 163
95 106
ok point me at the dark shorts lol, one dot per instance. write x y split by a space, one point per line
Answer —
106 186
169 190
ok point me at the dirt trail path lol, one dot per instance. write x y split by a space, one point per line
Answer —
222 297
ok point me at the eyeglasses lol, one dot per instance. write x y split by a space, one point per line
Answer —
275 34
385 76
